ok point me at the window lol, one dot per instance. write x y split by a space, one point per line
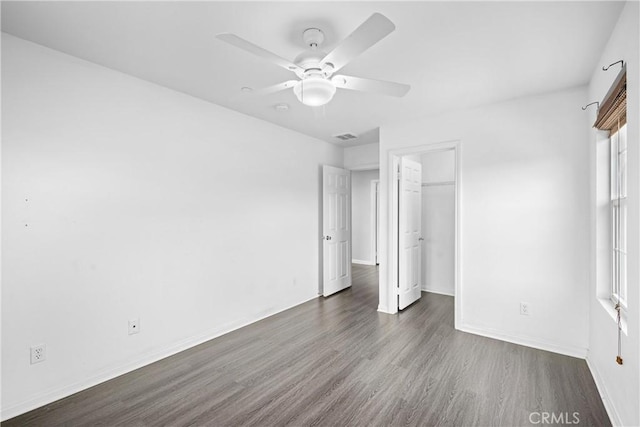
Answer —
619 216
612 117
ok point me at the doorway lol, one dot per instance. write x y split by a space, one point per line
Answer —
365 233
389 236
364 214
350 218
438 222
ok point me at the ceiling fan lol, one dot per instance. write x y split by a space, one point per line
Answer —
315 69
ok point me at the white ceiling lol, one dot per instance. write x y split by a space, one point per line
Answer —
455 54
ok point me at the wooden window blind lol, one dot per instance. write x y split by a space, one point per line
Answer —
612 114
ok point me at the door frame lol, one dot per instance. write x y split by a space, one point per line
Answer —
388 248
375 231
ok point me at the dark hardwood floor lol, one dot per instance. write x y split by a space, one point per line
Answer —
337 361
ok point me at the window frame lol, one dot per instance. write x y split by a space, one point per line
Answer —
618 210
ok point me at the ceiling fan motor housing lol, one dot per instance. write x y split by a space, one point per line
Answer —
310 60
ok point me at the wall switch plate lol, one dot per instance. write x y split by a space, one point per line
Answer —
134 326
38 353
525 309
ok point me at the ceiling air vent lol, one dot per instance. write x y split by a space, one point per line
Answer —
345 136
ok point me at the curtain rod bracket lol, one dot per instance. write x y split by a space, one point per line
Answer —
591 103
611 65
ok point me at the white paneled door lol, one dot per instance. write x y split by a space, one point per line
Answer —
336 229
409 232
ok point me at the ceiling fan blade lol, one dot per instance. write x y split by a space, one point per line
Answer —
247 46
274 88
370 85
366 35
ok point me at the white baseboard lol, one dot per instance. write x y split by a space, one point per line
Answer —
113 372
609 405
578 352
438 292
360 261
386 310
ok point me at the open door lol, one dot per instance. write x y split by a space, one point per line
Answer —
336 229
409 232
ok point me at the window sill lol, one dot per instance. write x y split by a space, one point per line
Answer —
609 307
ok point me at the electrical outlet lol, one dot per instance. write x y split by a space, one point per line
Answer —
134 326
525 309
38 353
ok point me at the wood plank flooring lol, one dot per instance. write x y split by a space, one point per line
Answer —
337 361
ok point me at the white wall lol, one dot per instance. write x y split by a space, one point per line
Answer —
524 216
362 157
619 384
142 202
438 222
362 237
438 166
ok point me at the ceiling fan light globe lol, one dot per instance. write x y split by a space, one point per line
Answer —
314 92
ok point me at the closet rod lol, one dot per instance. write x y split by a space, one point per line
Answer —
433 184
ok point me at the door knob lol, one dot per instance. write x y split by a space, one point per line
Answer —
420 238
328 237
